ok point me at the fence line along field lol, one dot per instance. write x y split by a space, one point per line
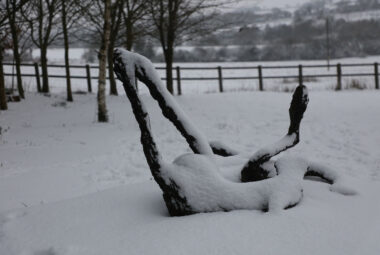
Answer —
357 73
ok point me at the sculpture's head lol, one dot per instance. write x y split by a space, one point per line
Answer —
120 63
134 66
297 108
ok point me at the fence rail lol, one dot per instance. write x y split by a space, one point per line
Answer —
338 74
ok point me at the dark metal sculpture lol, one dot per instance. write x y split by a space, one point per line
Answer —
192 183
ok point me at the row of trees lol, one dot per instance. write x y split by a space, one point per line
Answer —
105 23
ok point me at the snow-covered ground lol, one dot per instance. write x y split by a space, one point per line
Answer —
71 186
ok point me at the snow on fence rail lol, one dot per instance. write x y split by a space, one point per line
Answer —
335 71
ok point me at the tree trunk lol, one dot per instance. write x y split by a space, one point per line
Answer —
18 67
45 79
66 45
169 69
102 109
129 34
16 54
115 20
113 88
3 97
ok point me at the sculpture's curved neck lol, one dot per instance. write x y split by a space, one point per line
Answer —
151 152
175 202
145 72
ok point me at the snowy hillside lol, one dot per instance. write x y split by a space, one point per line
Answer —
71 186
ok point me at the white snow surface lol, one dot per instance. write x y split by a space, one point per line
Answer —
71 186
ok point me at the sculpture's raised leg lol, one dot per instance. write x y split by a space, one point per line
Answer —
254 169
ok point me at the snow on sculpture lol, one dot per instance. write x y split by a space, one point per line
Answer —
193 182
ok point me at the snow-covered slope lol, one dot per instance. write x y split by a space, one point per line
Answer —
69 185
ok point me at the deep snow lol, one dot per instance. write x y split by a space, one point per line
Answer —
69 185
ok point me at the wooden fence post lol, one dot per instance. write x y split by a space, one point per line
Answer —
220 76
376 75
261 84
37 77
300 75
89 87
179 89
339 76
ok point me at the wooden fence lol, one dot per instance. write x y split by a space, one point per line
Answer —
258 70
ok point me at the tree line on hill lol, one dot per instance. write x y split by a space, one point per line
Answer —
304 40
316 30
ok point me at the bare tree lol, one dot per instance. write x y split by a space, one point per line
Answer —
43 19
7 15
3 97
102 109
97 24
66 46
70 14
116 18
178 20
3 36
12 10
130 14
135 21
93 13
